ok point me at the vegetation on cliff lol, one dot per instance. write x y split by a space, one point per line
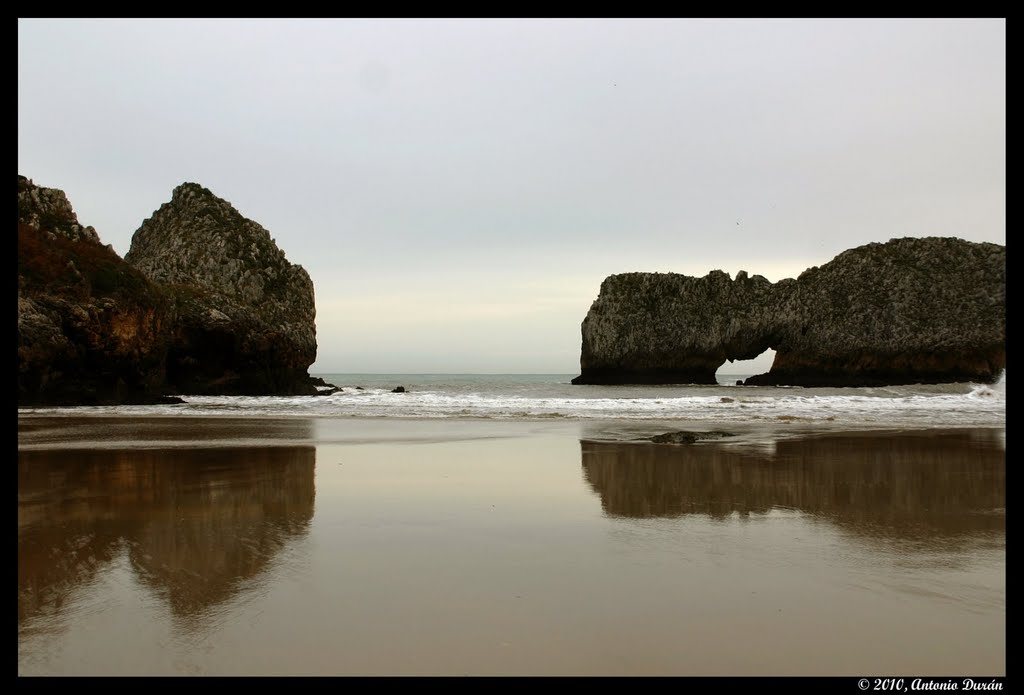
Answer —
210 305
91 329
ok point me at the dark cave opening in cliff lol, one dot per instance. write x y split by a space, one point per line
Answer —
730 372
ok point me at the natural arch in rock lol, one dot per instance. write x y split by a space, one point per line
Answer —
911 310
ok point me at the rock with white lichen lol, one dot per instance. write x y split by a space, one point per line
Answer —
246 316
911 310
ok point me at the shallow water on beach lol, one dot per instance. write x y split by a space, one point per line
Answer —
386 547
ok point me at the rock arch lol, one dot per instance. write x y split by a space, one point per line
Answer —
911 310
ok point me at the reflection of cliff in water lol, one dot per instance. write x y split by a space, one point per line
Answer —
196 524
904 485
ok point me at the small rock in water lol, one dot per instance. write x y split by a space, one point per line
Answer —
398 389
684 437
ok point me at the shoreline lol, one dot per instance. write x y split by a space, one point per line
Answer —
120 431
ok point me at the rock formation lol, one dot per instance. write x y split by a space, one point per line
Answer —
205 304
912 310
245 314
685 437
91 329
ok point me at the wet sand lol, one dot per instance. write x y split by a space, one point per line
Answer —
430 547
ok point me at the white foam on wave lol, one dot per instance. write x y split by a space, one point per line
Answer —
995 390
981 406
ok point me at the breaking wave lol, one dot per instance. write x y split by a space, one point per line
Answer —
552 396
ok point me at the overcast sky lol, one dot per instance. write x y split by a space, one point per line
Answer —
458 189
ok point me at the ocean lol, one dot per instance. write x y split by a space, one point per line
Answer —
519 525
527 396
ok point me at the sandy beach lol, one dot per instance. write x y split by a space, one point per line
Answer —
428 547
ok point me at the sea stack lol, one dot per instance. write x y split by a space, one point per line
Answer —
911 310
246 316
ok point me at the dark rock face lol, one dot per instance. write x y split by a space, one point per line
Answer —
91 329
912 310
207 305
245 322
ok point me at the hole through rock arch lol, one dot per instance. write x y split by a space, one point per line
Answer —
730 372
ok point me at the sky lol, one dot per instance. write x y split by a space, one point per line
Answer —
457 189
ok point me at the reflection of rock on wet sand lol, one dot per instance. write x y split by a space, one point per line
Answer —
902 485
196 523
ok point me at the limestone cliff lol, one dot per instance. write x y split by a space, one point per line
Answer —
208 304
91 329
912 310
245 322
49 209
657 328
